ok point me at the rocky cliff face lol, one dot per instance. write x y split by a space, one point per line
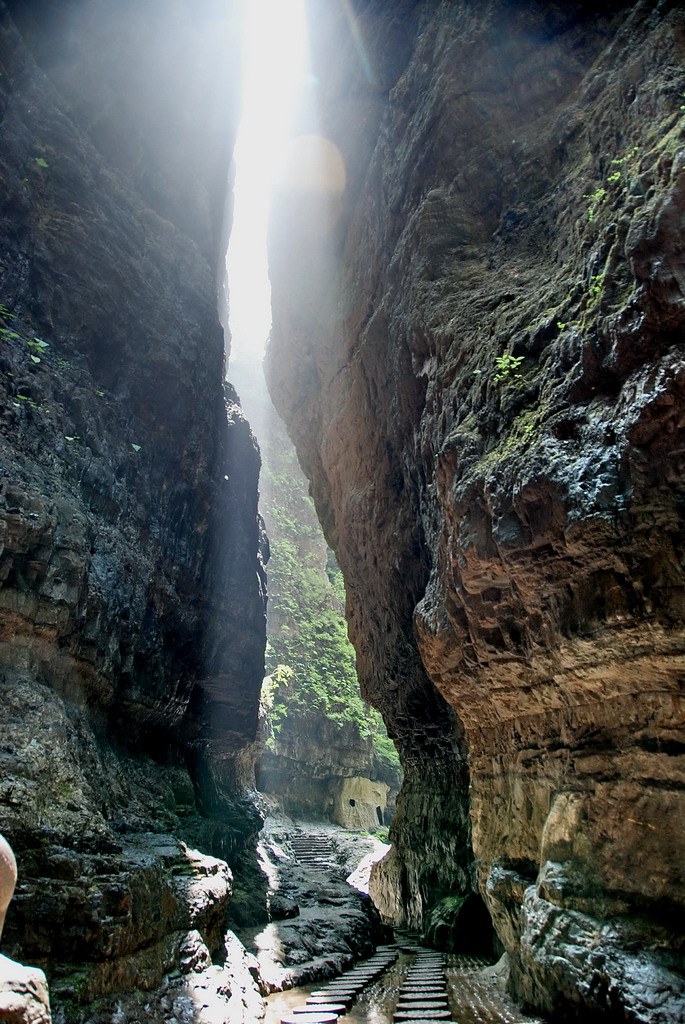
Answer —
320 769
132 626
477 349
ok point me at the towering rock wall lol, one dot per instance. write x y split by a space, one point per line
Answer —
477 347
132 591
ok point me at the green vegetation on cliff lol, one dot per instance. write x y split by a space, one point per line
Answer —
310 661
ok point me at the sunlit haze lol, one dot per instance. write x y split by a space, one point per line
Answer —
275 69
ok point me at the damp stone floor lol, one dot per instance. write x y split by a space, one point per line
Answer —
472 992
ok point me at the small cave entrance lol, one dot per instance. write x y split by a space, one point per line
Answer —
353 803
476 923
379 815
467 929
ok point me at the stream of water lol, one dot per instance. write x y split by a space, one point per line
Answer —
473 997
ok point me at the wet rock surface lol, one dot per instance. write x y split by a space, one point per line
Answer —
198 989
473 992
132 613
477 354
319 924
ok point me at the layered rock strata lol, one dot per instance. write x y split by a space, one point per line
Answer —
477 350
319 769
132 602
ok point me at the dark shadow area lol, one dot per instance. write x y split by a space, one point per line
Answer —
461 925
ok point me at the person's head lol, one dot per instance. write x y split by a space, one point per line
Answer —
8 878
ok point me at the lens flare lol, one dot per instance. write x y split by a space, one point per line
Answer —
313 164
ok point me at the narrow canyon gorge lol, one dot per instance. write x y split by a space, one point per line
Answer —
477 262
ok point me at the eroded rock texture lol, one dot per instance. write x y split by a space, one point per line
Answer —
132 623
478 349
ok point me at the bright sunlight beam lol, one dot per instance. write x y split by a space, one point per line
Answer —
275 69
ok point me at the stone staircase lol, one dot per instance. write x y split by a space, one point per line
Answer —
405 983
311 850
